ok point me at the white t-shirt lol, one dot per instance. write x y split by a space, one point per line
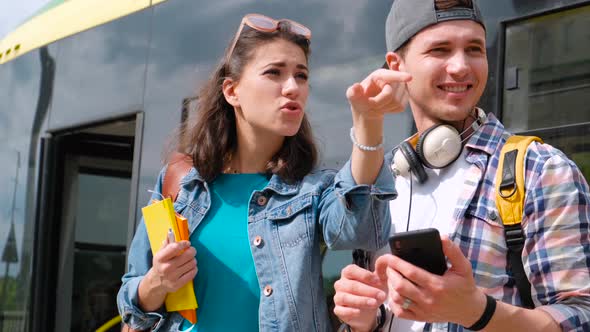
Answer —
433 205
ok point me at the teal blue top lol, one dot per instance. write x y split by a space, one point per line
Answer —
226 285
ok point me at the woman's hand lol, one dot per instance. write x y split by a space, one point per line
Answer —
383 91
359 293
175 265
172 267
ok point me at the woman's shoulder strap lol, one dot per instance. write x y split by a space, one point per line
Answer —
179 164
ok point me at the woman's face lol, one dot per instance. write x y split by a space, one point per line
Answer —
270 97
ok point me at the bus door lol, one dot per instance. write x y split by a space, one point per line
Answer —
83 234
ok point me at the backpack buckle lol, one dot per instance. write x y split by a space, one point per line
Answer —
514 236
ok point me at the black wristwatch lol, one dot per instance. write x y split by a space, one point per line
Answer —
381 316
485 318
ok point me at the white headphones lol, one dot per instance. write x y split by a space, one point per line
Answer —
437 147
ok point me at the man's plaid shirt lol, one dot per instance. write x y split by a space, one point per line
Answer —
556 253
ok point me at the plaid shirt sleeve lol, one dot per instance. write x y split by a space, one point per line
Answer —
556 255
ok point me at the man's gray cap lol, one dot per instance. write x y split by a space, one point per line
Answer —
408 17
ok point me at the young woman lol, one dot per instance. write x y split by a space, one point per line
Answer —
257 208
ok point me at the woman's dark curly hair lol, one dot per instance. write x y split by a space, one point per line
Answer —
210 137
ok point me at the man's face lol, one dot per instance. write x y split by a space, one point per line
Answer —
449 71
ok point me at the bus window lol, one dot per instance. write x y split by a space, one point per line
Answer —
547 71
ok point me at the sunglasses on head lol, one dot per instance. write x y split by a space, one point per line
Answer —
266 24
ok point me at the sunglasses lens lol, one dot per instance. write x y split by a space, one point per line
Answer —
261 22
300 30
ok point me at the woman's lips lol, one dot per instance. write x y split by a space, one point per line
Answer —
291 108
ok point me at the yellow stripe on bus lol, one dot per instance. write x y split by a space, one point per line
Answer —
69 18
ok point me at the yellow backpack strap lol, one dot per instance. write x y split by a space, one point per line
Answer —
510 194
510 189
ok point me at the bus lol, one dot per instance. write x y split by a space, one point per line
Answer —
90 91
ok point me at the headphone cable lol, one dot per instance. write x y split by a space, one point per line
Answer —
407 229
409 205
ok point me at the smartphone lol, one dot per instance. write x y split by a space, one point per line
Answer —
421 248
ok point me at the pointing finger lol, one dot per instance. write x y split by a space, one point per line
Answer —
354 91
385 96
389 76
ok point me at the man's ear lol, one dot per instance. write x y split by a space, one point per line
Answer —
229 91
394 61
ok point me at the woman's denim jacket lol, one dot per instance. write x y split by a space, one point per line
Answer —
292 220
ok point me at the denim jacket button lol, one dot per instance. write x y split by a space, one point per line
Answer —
261 200
258 240
267 290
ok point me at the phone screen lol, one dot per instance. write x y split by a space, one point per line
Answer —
421 248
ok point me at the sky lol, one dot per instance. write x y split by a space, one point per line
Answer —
12 13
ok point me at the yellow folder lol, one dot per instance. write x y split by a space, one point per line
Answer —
159 217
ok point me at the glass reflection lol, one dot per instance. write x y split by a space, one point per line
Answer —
576 147
101 71
25 94
99 249
549 55
573 140
9 250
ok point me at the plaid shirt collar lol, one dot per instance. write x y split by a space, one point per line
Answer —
486 139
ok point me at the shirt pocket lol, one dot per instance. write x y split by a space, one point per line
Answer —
293 220
488 251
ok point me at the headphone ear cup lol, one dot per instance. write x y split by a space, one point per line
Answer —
420 145
415 165
400 165
439 146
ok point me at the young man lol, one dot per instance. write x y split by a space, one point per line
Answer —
441 45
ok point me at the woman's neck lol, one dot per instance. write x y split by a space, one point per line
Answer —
254 151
